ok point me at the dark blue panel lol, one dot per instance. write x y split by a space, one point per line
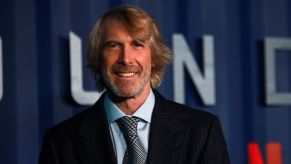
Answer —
8 124
44 65
26 99
35 37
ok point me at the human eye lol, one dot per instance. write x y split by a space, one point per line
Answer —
138 44
112 45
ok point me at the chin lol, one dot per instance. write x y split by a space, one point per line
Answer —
126 94
125 90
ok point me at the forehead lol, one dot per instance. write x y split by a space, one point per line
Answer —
138 29
113 27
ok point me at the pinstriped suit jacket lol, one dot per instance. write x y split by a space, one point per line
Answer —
178 134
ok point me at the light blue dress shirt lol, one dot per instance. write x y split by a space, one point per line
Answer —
143 128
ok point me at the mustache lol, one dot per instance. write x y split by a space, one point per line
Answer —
126 68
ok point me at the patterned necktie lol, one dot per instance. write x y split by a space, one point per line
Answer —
135 152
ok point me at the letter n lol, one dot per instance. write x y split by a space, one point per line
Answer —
273 153
203 80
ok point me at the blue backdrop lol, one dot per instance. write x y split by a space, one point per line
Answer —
36 67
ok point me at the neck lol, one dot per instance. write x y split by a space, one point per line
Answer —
129 105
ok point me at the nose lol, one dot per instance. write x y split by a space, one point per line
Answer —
126 55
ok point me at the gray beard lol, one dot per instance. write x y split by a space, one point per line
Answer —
110 85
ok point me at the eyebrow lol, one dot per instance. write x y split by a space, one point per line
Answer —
139 40
111 41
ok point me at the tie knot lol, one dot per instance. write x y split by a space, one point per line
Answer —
128 126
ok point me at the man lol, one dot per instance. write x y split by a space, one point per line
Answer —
131 122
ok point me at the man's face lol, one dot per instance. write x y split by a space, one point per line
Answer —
126 64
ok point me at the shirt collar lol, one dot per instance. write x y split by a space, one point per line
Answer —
144 111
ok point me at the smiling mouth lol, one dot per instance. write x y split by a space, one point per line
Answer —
127 74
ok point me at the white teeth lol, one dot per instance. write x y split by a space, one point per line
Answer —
126 74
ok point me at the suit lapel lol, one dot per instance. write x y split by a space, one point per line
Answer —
93 144
166 133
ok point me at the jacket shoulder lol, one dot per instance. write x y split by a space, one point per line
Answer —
81 119
71 124
183 111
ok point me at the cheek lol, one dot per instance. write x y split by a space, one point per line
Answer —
146 58
149 61
107 61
